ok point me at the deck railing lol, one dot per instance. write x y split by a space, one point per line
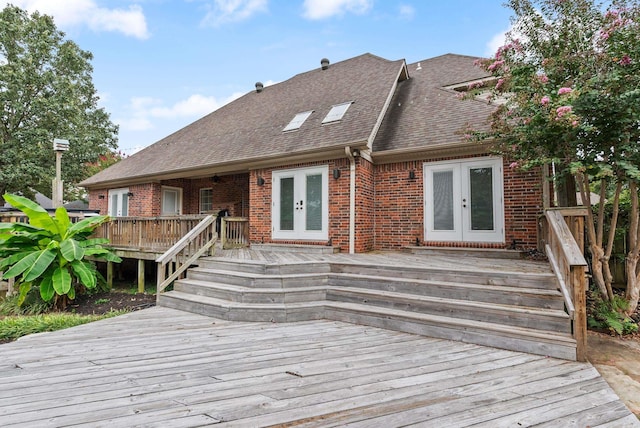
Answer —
234 232
147 233
175 261
566 255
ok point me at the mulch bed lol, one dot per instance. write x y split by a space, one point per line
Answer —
102 303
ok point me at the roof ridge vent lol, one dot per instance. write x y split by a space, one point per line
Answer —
324 63
259 87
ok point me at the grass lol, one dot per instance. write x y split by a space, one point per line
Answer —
14 327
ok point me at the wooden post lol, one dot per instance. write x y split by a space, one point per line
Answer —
140 276
579 280
160 279
110 275
223 232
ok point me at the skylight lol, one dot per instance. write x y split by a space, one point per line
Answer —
297 121
336 112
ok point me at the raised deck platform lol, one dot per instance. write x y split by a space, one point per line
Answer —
165 368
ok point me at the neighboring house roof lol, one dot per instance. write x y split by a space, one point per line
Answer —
424 114
251 127
40 199
396 109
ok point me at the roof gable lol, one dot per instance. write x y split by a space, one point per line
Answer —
425 113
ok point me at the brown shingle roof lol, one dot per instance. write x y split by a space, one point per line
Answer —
250 128
424 114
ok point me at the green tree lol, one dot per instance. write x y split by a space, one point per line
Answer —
569 76
46 92
50 252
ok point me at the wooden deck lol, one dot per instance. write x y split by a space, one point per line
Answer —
166 368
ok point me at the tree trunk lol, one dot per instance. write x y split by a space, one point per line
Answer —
632 294
598 273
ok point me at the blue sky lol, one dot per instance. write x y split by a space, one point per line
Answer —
161 64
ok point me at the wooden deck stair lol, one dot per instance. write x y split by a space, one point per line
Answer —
504 309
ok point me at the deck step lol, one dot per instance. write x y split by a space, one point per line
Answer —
529 317
238 293
494 253
553 344
512 307
557 345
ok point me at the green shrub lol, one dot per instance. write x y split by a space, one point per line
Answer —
13 327
609 315
50 253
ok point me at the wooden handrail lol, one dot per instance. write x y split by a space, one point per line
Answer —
177 259
568 263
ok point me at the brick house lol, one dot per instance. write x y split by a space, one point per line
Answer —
364 154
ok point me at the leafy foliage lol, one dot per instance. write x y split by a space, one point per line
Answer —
609 315
570 78
46 92
50 252
12 328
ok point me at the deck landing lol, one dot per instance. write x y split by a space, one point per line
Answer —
167 368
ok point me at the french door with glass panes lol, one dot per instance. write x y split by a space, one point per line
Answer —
119 202
300 204
463 201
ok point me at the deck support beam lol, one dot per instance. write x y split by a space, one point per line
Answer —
140 276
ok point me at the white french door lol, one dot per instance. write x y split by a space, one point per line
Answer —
119 202
463 200
171 201
300 208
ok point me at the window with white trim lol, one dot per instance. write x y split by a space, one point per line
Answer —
206 200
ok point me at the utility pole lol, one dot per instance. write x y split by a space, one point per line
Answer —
59 146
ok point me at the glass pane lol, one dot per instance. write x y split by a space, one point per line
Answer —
125 204
114 205
481 188
286 203
443 200
169 204
314 202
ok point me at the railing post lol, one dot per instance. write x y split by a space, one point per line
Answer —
223 232
579 280
160 279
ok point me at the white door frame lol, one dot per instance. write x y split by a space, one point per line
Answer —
178 201
461 204
299 231
119 197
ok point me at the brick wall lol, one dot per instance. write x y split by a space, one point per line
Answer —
389 205
260 203
399 207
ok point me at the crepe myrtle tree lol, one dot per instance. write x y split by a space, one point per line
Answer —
50 252
568 77
46 92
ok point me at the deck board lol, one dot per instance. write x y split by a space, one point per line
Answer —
162 367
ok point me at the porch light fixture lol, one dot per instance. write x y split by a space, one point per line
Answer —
215 179
412 175
100 196
260 181
129 194
336 173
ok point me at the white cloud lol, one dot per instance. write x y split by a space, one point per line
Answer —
496 41
72 13
407 11
224 11
321 9
144 111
